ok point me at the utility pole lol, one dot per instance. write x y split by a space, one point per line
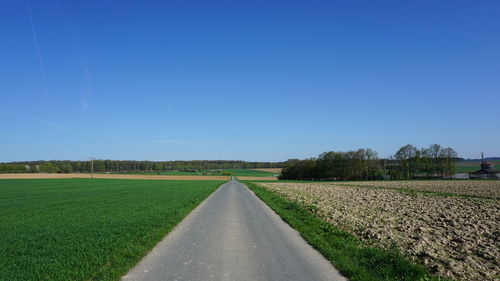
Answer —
92 167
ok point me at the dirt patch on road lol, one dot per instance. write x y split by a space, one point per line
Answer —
109 176
454 237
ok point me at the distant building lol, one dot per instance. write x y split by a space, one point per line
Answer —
487 171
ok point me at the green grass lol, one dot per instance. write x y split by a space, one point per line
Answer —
168 173
354 259
466 169
84 229
180 173
249 173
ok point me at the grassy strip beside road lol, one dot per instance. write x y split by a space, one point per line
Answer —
84 229
352 257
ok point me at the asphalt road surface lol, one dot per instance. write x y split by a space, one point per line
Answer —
233 236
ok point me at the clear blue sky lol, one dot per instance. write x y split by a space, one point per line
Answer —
249 80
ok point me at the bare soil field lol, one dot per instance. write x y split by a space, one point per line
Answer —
487 189
457 238
108 176
271 170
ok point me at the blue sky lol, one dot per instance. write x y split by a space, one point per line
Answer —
249 80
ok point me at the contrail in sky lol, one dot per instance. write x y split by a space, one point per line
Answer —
88 79
42 67
87 75
48 123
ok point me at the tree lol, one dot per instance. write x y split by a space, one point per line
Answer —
99 166
325 167
406 155
331 165
158 167
450 156
49 168
373 163
66 168
436 151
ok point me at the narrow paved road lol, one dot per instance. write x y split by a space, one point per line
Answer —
233 236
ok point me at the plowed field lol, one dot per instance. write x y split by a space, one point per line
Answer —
455 237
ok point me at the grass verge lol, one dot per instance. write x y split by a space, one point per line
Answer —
87 229
354 259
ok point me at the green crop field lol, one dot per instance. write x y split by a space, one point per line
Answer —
471 166
182 173
84 229
249 173
170 173
466 169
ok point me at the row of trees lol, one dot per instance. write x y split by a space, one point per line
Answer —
127 166
434 161
364 164
13 168
351 165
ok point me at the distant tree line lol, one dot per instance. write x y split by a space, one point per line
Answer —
364 164
351 165
128 166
